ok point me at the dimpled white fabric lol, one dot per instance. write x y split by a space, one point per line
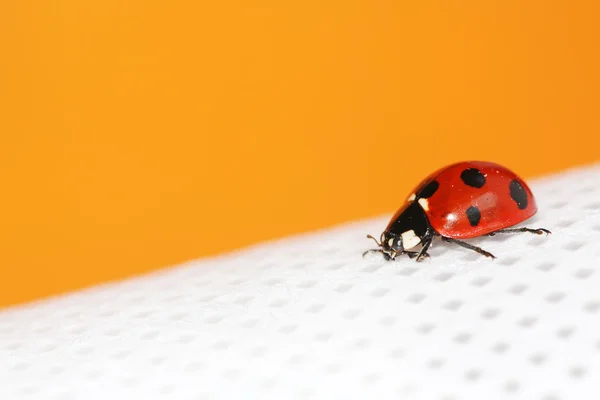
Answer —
308 317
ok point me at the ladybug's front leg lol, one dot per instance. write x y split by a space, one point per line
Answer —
422 254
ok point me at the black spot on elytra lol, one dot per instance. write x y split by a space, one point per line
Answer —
473 177
428 190
473 215
518 194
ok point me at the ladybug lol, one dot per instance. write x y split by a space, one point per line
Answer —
460 201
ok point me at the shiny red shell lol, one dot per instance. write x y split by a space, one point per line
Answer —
504 200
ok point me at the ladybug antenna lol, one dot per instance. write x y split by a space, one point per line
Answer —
371 237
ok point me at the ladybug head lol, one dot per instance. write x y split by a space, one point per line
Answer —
390 246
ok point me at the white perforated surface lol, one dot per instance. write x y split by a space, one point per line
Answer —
308 317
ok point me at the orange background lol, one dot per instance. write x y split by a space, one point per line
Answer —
138 134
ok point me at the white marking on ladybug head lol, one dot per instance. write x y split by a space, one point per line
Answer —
412 197
391 242
409 239
424 204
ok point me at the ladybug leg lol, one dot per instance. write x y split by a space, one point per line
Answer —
413 254
468 246
538 231
426 244
385 255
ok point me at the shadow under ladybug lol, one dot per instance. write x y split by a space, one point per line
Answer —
460 201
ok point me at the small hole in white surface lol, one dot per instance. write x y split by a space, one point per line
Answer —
249 323
64 396
371 377
361 343
112 332
14 346
333 369
490 313
518 289
221 345
435 363
574 246
172 299
77 330
29 390
577 372
307 284
416 298
232 374
372 268
186 339
583 273
592 306
243 300
555 297
512 386
480 281
388 321
527 322
406 271
508 260
343 288
166 389
565 223
448 397
194 366
550 397
84 351
149 335
379 292
558 204
273 282
21 366
593 206
259 351
587 189
122 354
463 338
336 266
56 370
42 329
142 314
538 358
500 348
351 314
129 381
444 276
207 299
323 336
94 374
565 332
178 316
213 319
268 383
315 308
397 353
546 266
288 328
296 359
473 375
425 329
279 303
453 305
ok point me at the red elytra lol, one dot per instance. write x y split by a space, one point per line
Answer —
460 201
